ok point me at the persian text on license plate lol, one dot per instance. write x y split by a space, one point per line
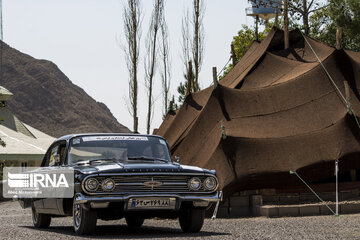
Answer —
151 203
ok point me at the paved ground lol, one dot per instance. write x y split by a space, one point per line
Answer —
16 224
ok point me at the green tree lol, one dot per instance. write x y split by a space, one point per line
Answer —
345 14
242 41
183 86
182 92
301 10
172 107
322 25
193 46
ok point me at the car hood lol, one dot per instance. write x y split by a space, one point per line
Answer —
112 167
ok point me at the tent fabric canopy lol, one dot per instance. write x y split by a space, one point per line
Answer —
279 112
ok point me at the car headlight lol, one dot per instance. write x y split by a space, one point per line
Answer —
108 184
194 183
91 184
210 183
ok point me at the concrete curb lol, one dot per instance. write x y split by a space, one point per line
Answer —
308 209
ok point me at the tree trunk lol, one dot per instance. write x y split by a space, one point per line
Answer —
196 39
190 79
306 18
135 118
166 92
233 55
131 20
134 60
338 38
151 76
153 31
135 84
286 25
257 28
149 109
165 75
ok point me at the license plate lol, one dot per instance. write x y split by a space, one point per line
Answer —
151 203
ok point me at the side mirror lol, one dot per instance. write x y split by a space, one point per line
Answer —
177 159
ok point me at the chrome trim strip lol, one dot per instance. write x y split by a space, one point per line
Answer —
163 183
129 184
80 198
153 173
142 184
175 183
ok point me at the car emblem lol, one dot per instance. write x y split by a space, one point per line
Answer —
152 184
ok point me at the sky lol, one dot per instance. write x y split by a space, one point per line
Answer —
84 38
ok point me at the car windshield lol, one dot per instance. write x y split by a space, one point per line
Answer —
88 149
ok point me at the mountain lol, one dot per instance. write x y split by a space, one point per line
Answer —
47 100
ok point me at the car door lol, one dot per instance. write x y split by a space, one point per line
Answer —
53 162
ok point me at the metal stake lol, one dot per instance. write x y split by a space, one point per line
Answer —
217 207
336 188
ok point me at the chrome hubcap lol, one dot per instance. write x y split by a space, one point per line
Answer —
77 214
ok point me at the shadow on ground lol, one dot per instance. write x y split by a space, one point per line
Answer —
123 232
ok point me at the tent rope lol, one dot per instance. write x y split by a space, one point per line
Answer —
327 73
294 172
346 101
224 67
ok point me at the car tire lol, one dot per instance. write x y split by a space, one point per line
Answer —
40 220
134 222
84 221
191 220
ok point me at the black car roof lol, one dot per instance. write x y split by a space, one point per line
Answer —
70 136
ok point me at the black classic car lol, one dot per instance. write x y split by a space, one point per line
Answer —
125 176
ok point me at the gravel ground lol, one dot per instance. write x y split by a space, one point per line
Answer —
16 224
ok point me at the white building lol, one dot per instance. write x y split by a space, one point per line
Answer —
25 145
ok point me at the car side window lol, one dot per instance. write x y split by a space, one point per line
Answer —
53 155
62 153
56 155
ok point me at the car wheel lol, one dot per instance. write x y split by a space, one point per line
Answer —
84 220
134 222
191 220
40 220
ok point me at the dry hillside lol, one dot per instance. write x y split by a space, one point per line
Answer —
47 100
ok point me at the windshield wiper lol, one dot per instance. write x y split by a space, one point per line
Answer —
147 159
97 160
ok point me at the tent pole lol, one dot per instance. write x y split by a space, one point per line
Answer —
336 187
215 77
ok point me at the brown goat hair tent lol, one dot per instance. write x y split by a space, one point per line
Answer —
275 111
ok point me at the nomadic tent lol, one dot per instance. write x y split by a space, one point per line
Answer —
276 110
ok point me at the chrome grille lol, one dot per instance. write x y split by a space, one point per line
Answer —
136 183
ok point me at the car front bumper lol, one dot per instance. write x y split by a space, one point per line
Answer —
83 199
